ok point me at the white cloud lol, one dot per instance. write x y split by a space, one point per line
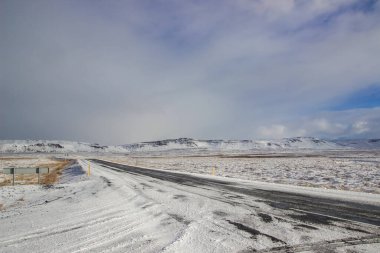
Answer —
211 69
273 131
357 123
322 125
360 127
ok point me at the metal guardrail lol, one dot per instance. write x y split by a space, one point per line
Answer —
14 171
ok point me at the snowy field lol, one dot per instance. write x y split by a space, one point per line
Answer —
112 211
344 170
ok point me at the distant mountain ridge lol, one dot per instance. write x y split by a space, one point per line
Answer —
301 143
296 143
52 146
360 143
188 143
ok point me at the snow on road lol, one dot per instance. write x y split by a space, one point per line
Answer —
114 211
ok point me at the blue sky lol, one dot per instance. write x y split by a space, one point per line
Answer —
368 97
116 72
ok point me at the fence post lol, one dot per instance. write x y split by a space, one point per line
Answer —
13 172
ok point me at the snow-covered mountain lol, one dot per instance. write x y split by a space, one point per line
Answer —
360 144
45 146
303 143
187 143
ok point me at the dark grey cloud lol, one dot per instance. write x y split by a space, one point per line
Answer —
124 71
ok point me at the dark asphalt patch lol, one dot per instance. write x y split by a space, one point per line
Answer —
274 204
254 232
147 205
146 185
265 217
299 226
357 230
48 186
249 230
51 200
180 197
179 218
232 196
220 213
106 180
313 218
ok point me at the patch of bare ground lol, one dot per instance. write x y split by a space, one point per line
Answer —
2 207
12 158
5 182
56 170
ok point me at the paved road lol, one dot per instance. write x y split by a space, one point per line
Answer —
307 223
328 208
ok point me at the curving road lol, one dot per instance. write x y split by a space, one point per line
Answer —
307 223
353 211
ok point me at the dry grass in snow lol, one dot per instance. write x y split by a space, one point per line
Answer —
55 166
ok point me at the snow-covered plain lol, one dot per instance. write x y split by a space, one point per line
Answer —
344 170
112 211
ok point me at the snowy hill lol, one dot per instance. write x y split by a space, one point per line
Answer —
187 143
304 143
44 146
360 144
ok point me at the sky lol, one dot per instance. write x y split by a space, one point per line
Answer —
117 72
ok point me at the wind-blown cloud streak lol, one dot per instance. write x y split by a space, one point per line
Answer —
124 71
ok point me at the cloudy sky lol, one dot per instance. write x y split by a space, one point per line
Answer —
117 72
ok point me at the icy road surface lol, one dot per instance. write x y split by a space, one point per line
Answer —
128 209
